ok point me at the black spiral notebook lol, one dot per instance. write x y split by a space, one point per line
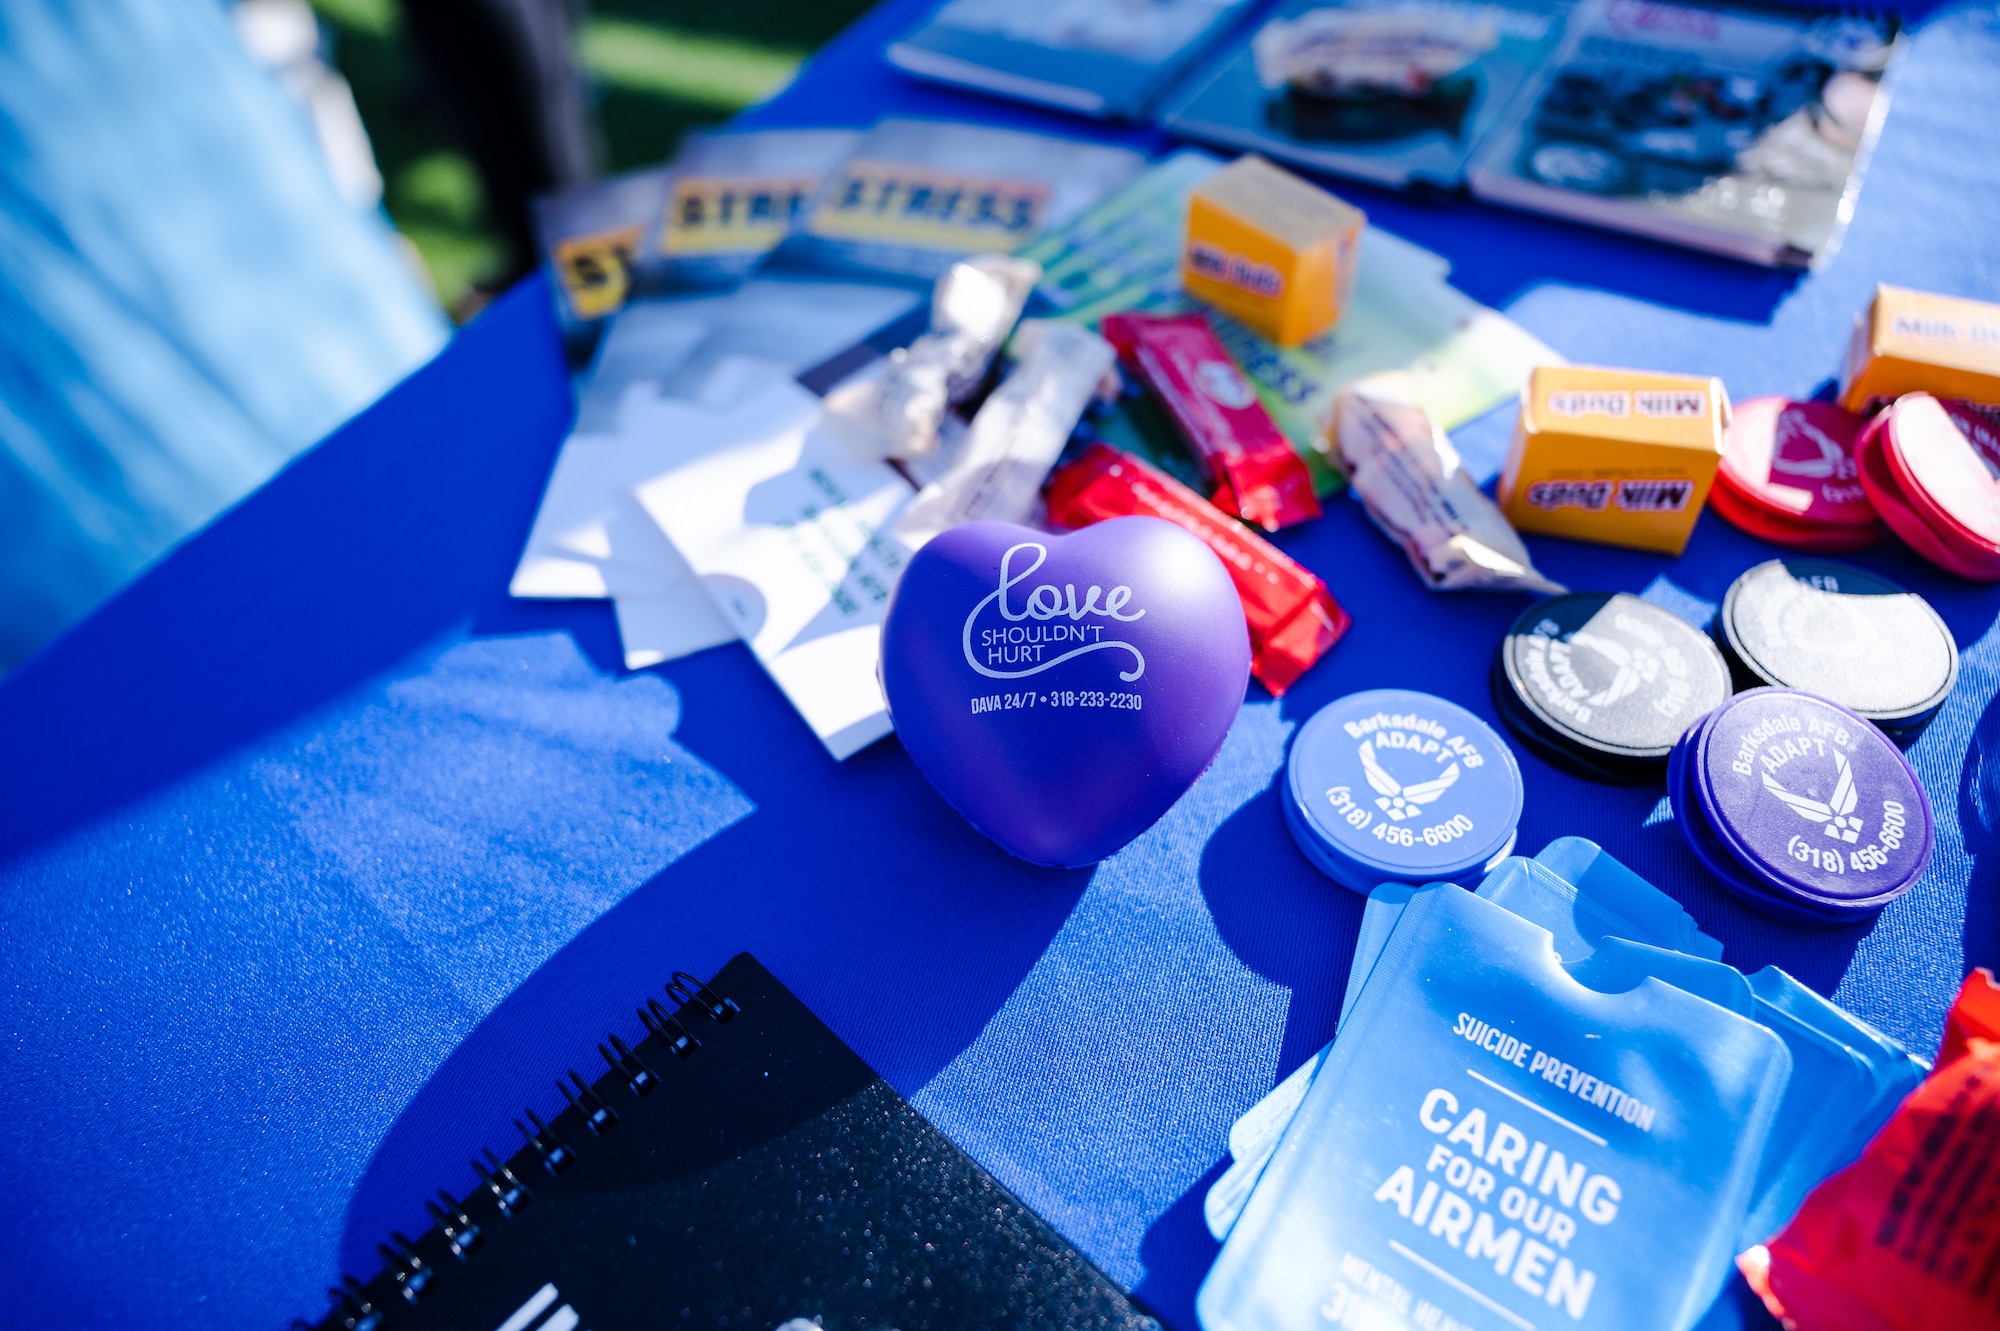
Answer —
742 1167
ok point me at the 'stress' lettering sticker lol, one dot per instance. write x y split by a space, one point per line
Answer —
912 205
732 214
596 271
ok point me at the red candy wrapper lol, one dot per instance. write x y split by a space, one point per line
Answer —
1292 617
1975 1016
1905 1239
1259 477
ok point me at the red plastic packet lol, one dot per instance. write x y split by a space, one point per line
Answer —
1907 1238
1975 1015
1259 477
1292 617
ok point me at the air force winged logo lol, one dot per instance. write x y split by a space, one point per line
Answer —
1634 665
1831 462
1837 814
1397 800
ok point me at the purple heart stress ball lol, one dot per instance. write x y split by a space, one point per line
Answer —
1062 691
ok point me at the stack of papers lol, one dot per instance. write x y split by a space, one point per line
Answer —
734 513
789 529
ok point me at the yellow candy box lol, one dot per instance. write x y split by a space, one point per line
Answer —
1621 457
1270 249
1914 341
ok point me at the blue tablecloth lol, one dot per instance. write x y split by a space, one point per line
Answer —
320 857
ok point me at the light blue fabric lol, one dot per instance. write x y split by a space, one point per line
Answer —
185 302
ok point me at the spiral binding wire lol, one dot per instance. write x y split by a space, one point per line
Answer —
405 1269
688 990
658 1021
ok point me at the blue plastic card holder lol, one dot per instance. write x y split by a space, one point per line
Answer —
1619 964
1600 878
1574 888
1440 1166
1894 1071
1829 1088
1833 1085
1838 1094
1604 898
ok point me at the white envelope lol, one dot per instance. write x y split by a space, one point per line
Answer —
678 622
592 540
791 531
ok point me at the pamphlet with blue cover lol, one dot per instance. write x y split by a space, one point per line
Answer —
1395 91
916 196
1733 128
1106 58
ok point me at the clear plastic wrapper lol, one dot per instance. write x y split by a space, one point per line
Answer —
1463 358
1331 53
973 308
1017 435
1410 478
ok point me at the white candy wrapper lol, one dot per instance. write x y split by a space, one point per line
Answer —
1018 434
1405 471
973 309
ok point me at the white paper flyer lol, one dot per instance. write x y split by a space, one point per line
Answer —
791 531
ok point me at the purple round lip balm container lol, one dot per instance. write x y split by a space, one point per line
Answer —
1801 807
1716 858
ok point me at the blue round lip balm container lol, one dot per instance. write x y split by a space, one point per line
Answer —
1802 808
1390 785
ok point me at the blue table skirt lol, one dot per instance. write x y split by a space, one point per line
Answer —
320 857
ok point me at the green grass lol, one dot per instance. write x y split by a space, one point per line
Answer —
720 74
659 68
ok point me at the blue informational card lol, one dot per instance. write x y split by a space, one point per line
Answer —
1394 91
1493 1139
1106 58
